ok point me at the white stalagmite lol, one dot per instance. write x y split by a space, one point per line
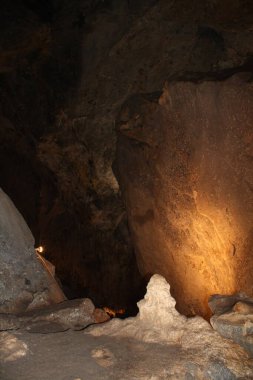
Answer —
159 322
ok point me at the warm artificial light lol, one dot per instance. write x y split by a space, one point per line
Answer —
113 313
40 249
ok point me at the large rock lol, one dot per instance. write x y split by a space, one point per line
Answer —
184 163
233 318
243 307
220 304
71 314
237 327
206 355
24 282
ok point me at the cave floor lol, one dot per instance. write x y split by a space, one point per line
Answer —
75 355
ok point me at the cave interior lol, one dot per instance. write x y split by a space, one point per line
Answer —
126 143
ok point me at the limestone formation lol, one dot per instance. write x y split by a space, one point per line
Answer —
237 327
243 307
158 322
184 164
220 304
71 314
24 282
233 318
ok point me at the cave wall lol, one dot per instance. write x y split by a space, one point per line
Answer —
185 167
65 70
47 164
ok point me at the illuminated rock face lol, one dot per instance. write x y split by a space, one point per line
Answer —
184 162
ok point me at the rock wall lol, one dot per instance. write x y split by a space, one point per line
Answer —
184 163
24 282
65 70
48 165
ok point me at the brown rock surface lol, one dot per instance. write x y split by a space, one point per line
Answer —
242 307
185 168
220 304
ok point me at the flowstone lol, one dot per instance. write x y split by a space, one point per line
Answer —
159 322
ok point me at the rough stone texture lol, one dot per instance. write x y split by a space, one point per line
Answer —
72 314
220 304
212 357
184 163
66 67
24 282
243 307
27 356
9 322
75 314
40 78
235 326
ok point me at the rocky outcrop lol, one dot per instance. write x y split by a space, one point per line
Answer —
202 352
220 304
237 327
233 318
71 314
24 282
244 307
184 163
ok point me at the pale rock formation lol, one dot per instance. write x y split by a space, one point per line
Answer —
24 282
158 322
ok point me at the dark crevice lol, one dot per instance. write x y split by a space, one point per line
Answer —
217 75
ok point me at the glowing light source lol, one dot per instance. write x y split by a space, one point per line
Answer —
39 249
113 313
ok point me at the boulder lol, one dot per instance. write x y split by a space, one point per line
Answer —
184 164
243 307
24 281
220 304
237 327
233 318
72 314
